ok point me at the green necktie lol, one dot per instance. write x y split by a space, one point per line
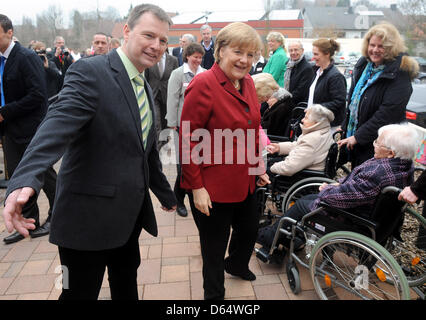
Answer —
143 107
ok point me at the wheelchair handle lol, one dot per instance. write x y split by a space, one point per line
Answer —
391 189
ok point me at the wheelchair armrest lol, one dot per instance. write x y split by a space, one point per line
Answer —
349 215
278 138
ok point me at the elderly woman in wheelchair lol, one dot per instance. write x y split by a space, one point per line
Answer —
303 158
355 204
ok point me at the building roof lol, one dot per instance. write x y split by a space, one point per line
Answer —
285 15
339 17
190 17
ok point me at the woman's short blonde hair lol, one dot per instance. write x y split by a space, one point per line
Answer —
277 36
392 40
237 34
265 84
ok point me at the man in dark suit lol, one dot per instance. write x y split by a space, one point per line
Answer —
184 41
177 52
158 78
208 45
299 74
102 125
24 105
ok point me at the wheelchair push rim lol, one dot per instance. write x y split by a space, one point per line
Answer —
295 192
346 265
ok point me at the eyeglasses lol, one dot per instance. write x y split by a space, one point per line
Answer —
375 144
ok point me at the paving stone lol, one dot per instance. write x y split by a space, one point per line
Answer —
4 284
238 288
35 267
34 296
14 269
175 261
45 247
270 292
186 228
197 291
174 273
181 249
22 251
32 284
195 264
155 251
167 291
149 271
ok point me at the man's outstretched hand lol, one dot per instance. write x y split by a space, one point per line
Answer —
12 212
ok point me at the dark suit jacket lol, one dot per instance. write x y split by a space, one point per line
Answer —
159 85
300 81
176 52
25 94
106 172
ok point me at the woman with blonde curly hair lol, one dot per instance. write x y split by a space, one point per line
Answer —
381 89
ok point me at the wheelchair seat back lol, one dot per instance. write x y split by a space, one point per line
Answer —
331 161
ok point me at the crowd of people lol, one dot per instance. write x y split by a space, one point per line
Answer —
112 109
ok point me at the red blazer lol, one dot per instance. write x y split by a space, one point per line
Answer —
212 103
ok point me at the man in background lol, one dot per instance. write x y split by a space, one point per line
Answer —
23 107
208 45
100 44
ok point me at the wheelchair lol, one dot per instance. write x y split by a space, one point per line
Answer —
276 198
350 256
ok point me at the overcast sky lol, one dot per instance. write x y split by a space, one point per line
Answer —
16 9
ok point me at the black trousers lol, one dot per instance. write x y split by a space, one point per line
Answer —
179 192
13 153
214 233
85 270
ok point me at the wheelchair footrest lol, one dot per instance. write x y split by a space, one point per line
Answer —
262 254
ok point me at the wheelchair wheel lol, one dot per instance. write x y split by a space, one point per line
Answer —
409 250
302 188
293 278
346 265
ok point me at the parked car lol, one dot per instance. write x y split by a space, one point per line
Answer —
346 57
416 108
422 63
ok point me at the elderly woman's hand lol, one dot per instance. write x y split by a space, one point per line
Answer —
407 195
324 185
349 142
202 200
273 148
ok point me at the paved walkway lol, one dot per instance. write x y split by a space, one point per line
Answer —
170 269
171 265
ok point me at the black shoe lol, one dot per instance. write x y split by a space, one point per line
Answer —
246 275
13 238
41 231
181 210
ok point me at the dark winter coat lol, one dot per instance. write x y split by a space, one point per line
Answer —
330 92
300 80
382 103
275 119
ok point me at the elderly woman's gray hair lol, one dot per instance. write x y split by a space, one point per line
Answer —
281 94
402 139
318 113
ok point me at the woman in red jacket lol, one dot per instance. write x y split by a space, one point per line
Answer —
219 136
